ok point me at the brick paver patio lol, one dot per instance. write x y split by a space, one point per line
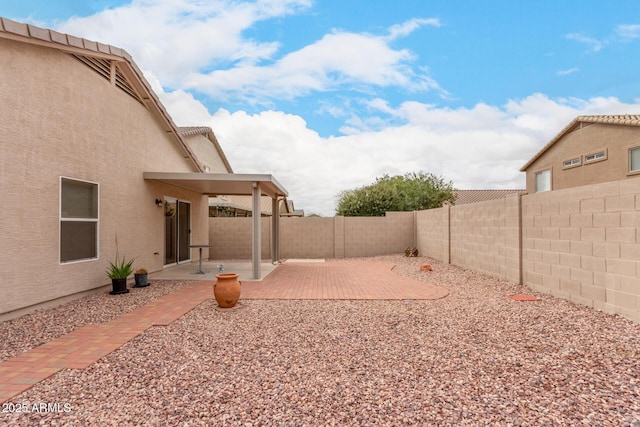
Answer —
340 280
330 280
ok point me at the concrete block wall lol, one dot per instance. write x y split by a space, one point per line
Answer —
371 236
583 244
232 238
336 237
432 233
485 237
307 238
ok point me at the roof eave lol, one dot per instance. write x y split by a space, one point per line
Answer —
617 120
555 139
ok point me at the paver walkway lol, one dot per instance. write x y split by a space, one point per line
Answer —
86 345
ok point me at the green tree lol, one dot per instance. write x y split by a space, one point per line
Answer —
413 191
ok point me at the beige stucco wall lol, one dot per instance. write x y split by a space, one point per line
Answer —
60 118
206 152
583 244
432 233
615 139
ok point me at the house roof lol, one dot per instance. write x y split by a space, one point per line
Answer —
208 133
213 184
111 62
472 196
581 121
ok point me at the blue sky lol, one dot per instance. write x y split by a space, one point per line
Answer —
329 95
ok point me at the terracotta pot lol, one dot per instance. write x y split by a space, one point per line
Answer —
227 290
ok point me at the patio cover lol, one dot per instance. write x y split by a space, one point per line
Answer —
214 184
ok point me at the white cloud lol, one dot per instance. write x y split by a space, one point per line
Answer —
183 41
621 33
628 32
174 37
594 44
406 28
477 148
567 71
336 60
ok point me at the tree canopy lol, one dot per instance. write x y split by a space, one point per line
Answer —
413 191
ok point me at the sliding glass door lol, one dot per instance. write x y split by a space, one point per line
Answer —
177 231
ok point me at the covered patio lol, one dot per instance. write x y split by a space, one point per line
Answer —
231 184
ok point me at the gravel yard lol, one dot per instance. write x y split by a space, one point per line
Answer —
472 358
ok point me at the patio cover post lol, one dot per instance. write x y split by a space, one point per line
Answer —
257 231
275 232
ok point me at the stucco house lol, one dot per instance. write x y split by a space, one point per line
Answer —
589 150
92 164
203 143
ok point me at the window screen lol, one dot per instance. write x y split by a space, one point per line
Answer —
78 220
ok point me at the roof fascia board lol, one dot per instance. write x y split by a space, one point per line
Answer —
216 144
555 139
31 34
268 184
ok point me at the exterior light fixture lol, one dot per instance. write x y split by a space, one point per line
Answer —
159 203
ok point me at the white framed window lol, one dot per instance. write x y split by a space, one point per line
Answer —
634 159
79 207
543 180
571 163
595 157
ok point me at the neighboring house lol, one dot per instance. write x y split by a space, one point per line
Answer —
472 196
590 150
204 144
241 206
92 165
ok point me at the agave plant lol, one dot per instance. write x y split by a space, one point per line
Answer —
120 269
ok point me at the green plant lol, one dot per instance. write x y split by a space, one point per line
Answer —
411 192
120 269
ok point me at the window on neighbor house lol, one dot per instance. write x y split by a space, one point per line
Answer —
634 159
78 220
543 180
571 163
600 155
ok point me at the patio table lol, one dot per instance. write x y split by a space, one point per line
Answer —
200 261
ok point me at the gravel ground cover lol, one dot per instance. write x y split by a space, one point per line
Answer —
472 358
29 331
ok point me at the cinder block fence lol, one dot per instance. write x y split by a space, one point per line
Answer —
313 237
581 244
